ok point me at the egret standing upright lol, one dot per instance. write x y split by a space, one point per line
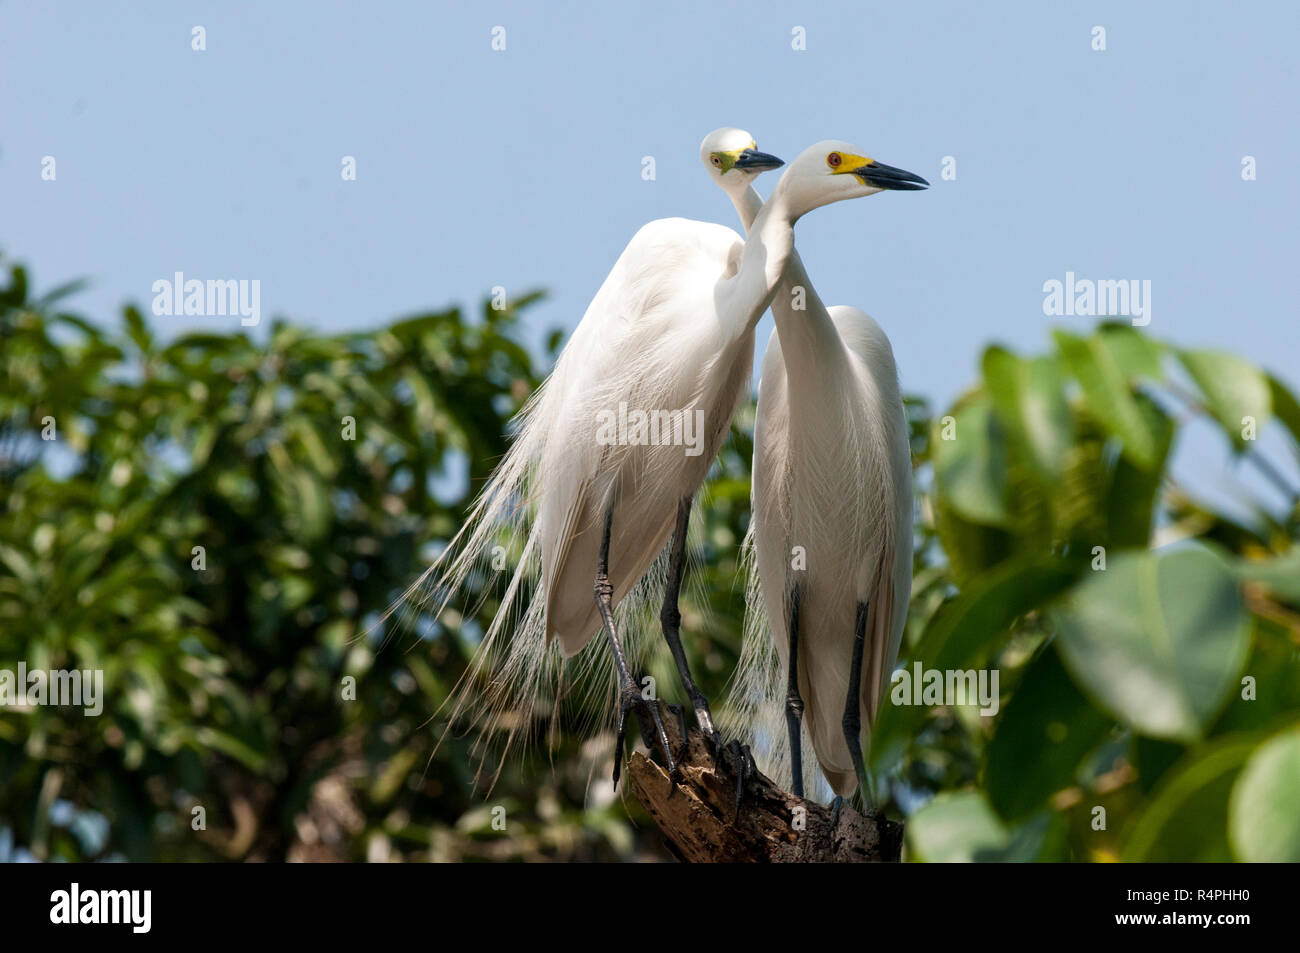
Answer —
671 328
832 504
666 344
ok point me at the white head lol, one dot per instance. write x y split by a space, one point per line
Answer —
733 159
833 170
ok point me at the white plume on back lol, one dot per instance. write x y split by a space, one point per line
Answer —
651 338
853 450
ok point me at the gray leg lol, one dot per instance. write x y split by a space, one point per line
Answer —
629 697
852 722
670 617
793 703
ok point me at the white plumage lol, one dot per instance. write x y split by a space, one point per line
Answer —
832 517
652 341
832 476
671 329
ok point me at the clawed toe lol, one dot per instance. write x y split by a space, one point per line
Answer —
632 701
736 758
745 769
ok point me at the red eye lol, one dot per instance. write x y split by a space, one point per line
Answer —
834 159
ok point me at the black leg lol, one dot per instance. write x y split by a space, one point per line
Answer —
852 722
745 769
670 617
629 697
793 703
679 713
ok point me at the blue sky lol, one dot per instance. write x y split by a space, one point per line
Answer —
522 168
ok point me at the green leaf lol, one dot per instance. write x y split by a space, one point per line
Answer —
1136 355
1281 574
960 827
956 827
965 632
1187 818
137 330
1232 389
1270 683
1286 408
16 294
1044 733
1030 401
47 301
1104 369
970 548
970 462
1157 639
1264 809
229 745
1134 491
1152 758
18 564
425 405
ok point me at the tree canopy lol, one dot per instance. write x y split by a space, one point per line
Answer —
216 522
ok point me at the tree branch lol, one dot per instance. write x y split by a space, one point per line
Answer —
698 815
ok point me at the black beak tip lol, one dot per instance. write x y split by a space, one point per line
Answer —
881 176
751 160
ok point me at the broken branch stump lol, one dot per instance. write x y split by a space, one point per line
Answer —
698 816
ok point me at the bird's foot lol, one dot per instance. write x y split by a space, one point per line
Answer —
836 806
733 757
679 713
647 712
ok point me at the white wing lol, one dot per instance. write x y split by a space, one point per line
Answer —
651 340
868 342
832 477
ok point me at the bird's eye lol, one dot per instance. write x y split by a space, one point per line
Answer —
834 159
716 161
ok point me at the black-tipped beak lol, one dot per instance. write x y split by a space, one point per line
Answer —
881 176
751 160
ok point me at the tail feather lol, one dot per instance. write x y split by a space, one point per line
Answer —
515 682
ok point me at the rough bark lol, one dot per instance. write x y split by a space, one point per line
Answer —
698 815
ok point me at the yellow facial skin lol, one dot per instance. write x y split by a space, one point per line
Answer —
848 162
724 161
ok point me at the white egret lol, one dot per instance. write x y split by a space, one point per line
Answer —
670 330
831 519
608 456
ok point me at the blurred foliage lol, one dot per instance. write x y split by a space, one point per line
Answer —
312 471
216 522
1148 645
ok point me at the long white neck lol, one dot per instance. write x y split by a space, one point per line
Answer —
762 264
748 205
808 338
